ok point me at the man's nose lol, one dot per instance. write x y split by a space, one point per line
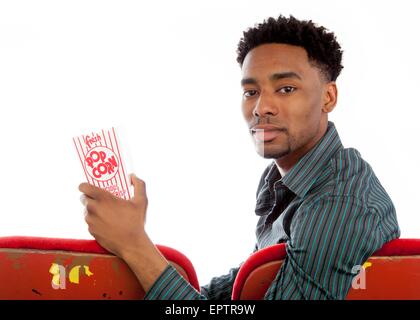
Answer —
265 106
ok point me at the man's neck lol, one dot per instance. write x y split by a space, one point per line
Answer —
284 167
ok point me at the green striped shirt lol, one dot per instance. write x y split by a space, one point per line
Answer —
331 211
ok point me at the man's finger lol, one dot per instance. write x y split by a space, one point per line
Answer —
83 199
88 216
91 191
91 207
139 187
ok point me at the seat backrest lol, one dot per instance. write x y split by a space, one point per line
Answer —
393 272
47 268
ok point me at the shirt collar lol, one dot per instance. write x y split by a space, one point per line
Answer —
306 171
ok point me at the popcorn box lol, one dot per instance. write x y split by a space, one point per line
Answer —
100 154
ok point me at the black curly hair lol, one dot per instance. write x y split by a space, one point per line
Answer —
321 46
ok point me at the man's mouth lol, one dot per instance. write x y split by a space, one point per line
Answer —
266 133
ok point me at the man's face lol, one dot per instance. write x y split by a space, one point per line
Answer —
283 100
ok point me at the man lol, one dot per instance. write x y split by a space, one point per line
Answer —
322 200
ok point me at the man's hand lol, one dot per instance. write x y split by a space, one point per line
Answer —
118 226
115 223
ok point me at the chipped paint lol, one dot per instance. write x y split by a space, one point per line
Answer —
83 260
15 257
59 276
116 265
12 255
75 273
87 271
16 264
44 275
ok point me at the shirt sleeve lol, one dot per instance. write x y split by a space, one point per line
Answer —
220 288
330 240
172 286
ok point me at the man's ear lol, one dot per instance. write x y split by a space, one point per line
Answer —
330 97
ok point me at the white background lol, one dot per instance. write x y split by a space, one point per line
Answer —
165 71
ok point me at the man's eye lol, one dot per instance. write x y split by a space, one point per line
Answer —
287 89
250 93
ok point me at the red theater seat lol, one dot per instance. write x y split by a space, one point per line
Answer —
393 273
47 268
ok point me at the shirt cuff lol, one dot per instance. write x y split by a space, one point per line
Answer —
170 285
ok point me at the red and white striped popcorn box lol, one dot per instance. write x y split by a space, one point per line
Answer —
100 154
